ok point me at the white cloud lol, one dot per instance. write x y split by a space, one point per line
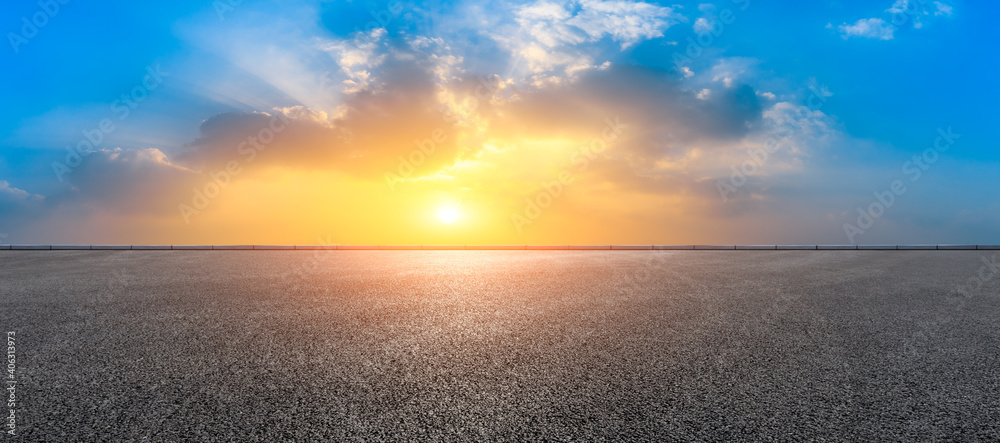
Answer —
732 69
446 65
558 39
943 9
16 207
282 51
8 192
901 12
305 114
797 131
702 26
356 58
626 22
917 8
868 28
899 7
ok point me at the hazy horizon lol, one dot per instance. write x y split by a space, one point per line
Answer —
513 122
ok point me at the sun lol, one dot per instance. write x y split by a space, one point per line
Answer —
448 214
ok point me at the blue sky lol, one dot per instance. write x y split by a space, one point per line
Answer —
890 75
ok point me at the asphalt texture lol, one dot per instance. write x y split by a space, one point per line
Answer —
504 345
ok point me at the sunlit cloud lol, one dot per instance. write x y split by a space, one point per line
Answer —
440 127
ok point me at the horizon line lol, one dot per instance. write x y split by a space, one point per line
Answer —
903 247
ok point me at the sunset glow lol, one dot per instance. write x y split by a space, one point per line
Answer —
448 214
594 121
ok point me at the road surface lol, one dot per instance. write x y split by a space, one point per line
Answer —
503 345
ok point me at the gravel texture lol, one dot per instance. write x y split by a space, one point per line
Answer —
504 345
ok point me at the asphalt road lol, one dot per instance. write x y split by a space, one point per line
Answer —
503 345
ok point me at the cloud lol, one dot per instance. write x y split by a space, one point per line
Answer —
653 101
732 70
875 28
9 193
11 197
901 6
672 135
680 142
17 208
702 26
917 7
943 9
561 38
367 100
371 130
626 22
708 21
283 47
900 13
128 181
357 57
675 135
121 182
669 125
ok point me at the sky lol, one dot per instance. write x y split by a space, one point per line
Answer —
502 122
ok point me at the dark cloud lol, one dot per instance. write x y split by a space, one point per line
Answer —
373 128
129 181
661 114
17 207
